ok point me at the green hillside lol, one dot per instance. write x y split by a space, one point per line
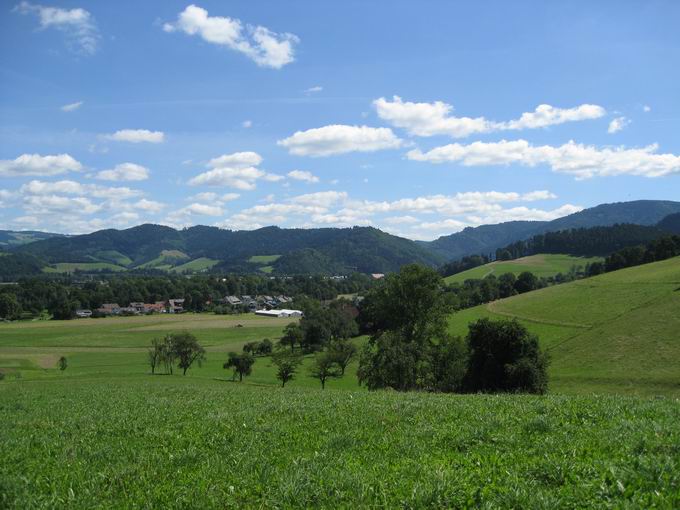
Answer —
196 265
542 265
70 267
616 332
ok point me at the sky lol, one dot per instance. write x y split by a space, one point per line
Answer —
418 118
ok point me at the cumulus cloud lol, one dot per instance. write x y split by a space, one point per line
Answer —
71 107
429 119
340 139
247 124
646 108
238 170
314 90
303 175
617 125
78 25
125 172
35 164
263 46
66 187
137 136
582 161
149 205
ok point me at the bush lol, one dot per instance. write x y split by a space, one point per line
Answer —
504 357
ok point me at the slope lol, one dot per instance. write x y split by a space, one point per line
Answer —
542 265
615 333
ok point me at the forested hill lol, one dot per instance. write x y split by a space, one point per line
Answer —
10 238
488 238
291 251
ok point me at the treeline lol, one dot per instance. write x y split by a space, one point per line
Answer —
458 266
411 349
61 297
594 241
659 249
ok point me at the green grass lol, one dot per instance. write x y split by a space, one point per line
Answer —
175 442
196 265
114 256
263 259
166 260
615 333
70 267
542 265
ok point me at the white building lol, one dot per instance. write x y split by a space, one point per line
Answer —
279 313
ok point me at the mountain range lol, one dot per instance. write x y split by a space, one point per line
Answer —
292 251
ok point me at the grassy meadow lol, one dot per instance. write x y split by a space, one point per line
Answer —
542 265
614 333
105 433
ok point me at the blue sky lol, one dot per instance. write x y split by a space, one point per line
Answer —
419 118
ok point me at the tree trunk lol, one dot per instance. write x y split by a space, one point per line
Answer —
185 371
240 377
323 384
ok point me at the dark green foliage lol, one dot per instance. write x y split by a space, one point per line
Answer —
262 348
186 350
505 357
10 308
292 336
670 223
324 367
13 266
526 282
659 249
343 352
62 364
458 266
287 365
242 364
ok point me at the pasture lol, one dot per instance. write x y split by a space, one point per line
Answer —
542 265
614 333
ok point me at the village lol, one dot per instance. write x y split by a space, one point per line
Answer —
266 306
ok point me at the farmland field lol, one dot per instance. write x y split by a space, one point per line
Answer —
70 267
542 265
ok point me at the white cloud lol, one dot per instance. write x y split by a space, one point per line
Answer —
78 25
314 89
646 108
35 164
203 209
35 187
321 198
149 205
617 125
238 170
137 136
229 197
429 119
6 197
56 204
339 139
303 175
264 47
582 161
125 172
71 107
400 220
247 124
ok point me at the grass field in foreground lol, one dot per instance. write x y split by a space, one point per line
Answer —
173 442
614 333
542 265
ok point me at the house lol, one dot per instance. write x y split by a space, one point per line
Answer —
82 314
157 307
128 310
109 309
377 276
233 300
278 314
176 305
138 306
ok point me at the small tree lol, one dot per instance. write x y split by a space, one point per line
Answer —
286 366
186 350
62 363
292 336
324 368
241 363
251 347
504 356
265 347
343 352
155 354
10 308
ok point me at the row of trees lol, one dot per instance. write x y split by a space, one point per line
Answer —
410 348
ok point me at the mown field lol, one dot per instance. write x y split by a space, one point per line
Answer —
173 442
614 333
542 265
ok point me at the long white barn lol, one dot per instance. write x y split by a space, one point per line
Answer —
279 313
